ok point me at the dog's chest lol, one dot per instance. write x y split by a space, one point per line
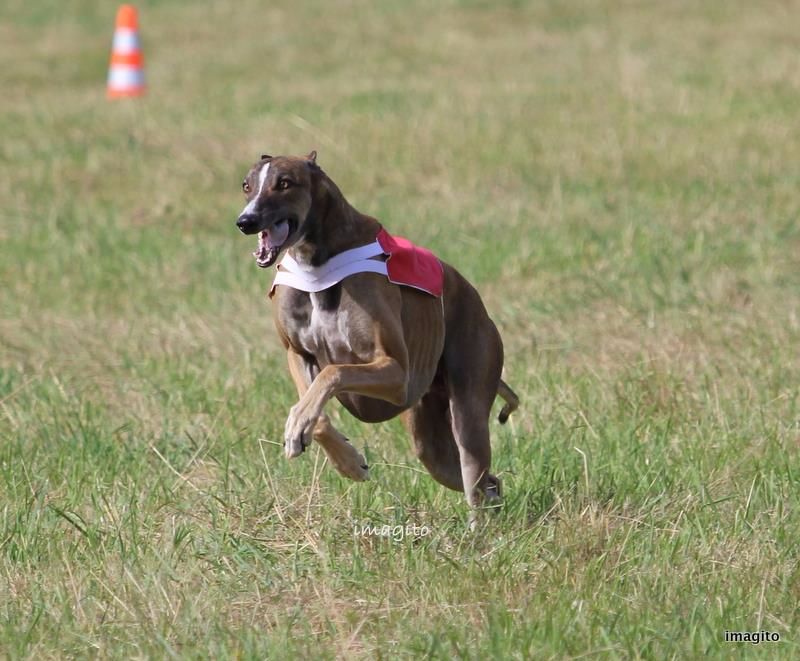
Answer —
318 325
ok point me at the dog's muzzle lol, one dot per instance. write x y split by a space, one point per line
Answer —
271 239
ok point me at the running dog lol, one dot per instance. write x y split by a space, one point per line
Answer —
378 323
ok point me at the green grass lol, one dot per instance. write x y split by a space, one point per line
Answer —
619 180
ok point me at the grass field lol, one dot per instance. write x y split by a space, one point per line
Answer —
619 179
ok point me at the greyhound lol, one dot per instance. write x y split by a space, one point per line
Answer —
382 349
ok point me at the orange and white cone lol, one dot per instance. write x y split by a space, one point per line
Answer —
126 71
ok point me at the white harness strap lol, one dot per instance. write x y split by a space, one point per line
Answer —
314 279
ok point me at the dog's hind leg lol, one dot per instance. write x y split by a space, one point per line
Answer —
428 422
473 361
344 457
471 432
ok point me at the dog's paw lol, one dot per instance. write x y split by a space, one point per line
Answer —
353 466
297 434
293 449
494 490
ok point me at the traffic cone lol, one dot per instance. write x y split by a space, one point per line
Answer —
126 71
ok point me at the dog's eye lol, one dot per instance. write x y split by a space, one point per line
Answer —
245 187
283 184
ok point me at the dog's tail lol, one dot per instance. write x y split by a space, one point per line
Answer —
512 401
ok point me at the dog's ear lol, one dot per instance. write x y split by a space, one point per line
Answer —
312 157
266 156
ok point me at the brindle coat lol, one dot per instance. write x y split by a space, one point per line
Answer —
381 349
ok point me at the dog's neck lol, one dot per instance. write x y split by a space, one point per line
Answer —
332 225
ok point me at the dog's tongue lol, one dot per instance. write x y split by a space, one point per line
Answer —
277 234
270 242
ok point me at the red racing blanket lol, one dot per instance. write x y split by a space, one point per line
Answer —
411 265
405 264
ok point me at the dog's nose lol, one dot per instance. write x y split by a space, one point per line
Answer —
247 223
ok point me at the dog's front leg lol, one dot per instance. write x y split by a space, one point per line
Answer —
383 378
344 457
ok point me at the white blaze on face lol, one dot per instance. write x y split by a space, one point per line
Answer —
262 177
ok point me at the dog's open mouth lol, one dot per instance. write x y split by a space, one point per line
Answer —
270 242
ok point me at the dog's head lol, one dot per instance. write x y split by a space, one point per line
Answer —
279 199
